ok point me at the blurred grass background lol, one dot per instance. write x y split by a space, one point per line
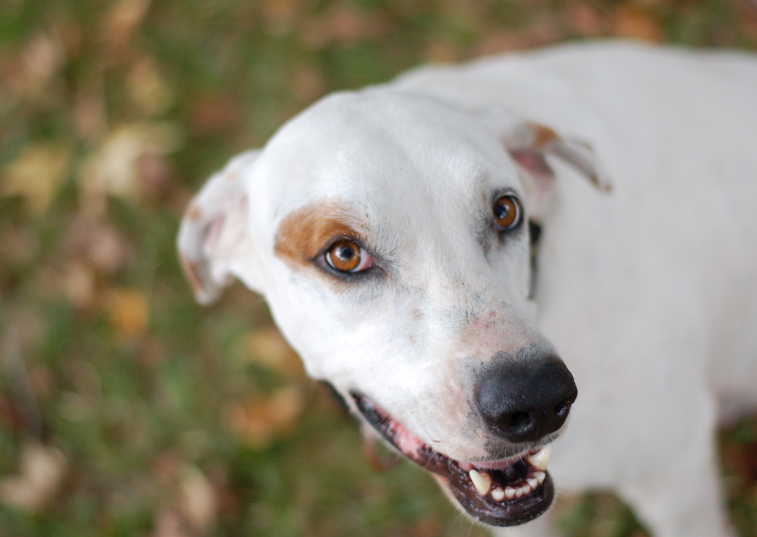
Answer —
125 408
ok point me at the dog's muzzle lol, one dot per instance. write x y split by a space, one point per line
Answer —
522 404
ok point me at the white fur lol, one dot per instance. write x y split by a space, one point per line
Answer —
648 294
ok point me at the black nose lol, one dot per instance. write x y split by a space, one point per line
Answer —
524 400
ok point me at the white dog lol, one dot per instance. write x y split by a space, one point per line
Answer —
432 249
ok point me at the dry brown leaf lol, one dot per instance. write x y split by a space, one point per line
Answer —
585 18
36 175
170 524
123 21
281 15
41 473
441 52
19 245
107 249
198 499
260 421
128 311
344 24
637 24
308 82
268 347
40 61
78 284
210 116
89 116
113 170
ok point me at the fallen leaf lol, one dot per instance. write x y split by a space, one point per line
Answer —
280 16
170 524
260 421
36 175
344 24
41 60
210 116
198 499
113 169
268 347
439 51
41 473
129 312
148 88
78 284
308 82
585 19
123 21
637 24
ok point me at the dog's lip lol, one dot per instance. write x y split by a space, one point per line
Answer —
511 473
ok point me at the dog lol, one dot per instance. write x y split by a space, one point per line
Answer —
470 254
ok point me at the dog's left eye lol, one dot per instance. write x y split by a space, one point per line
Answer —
348 256
507 212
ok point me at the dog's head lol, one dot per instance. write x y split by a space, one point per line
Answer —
389 234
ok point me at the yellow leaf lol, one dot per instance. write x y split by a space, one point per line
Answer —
113 169
268 347
36 175
129 312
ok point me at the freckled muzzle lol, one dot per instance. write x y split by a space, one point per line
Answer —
506 492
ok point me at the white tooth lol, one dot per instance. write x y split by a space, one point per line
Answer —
482 481
518 492
525 489
540 459
510 493
540 477
532 483
498 494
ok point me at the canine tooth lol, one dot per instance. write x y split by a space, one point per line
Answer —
540 459
510 493
482 481
532 483
540 477
498 494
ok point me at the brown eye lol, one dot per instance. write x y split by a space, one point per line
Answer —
348 256
507 212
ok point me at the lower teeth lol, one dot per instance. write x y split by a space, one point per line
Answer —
482 482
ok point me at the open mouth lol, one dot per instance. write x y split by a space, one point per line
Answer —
500 493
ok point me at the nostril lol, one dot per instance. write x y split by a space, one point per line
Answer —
518 421
561 410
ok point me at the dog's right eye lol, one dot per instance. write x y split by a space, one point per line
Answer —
507 212
348 256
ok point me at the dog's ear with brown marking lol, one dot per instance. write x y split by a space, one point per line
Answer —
214 241
530 143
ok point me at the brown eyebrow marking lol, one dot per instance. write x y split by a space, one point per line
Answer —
304 233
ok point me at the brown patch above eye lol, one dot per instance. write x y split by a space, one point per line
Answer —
304 233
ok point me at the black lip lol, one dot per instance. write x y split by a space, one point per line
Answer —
484 509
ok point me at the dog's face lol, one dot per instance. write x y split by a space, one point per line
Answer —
389 234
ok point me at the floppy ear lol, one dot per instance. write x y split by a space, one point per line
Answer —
530 143
214 242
